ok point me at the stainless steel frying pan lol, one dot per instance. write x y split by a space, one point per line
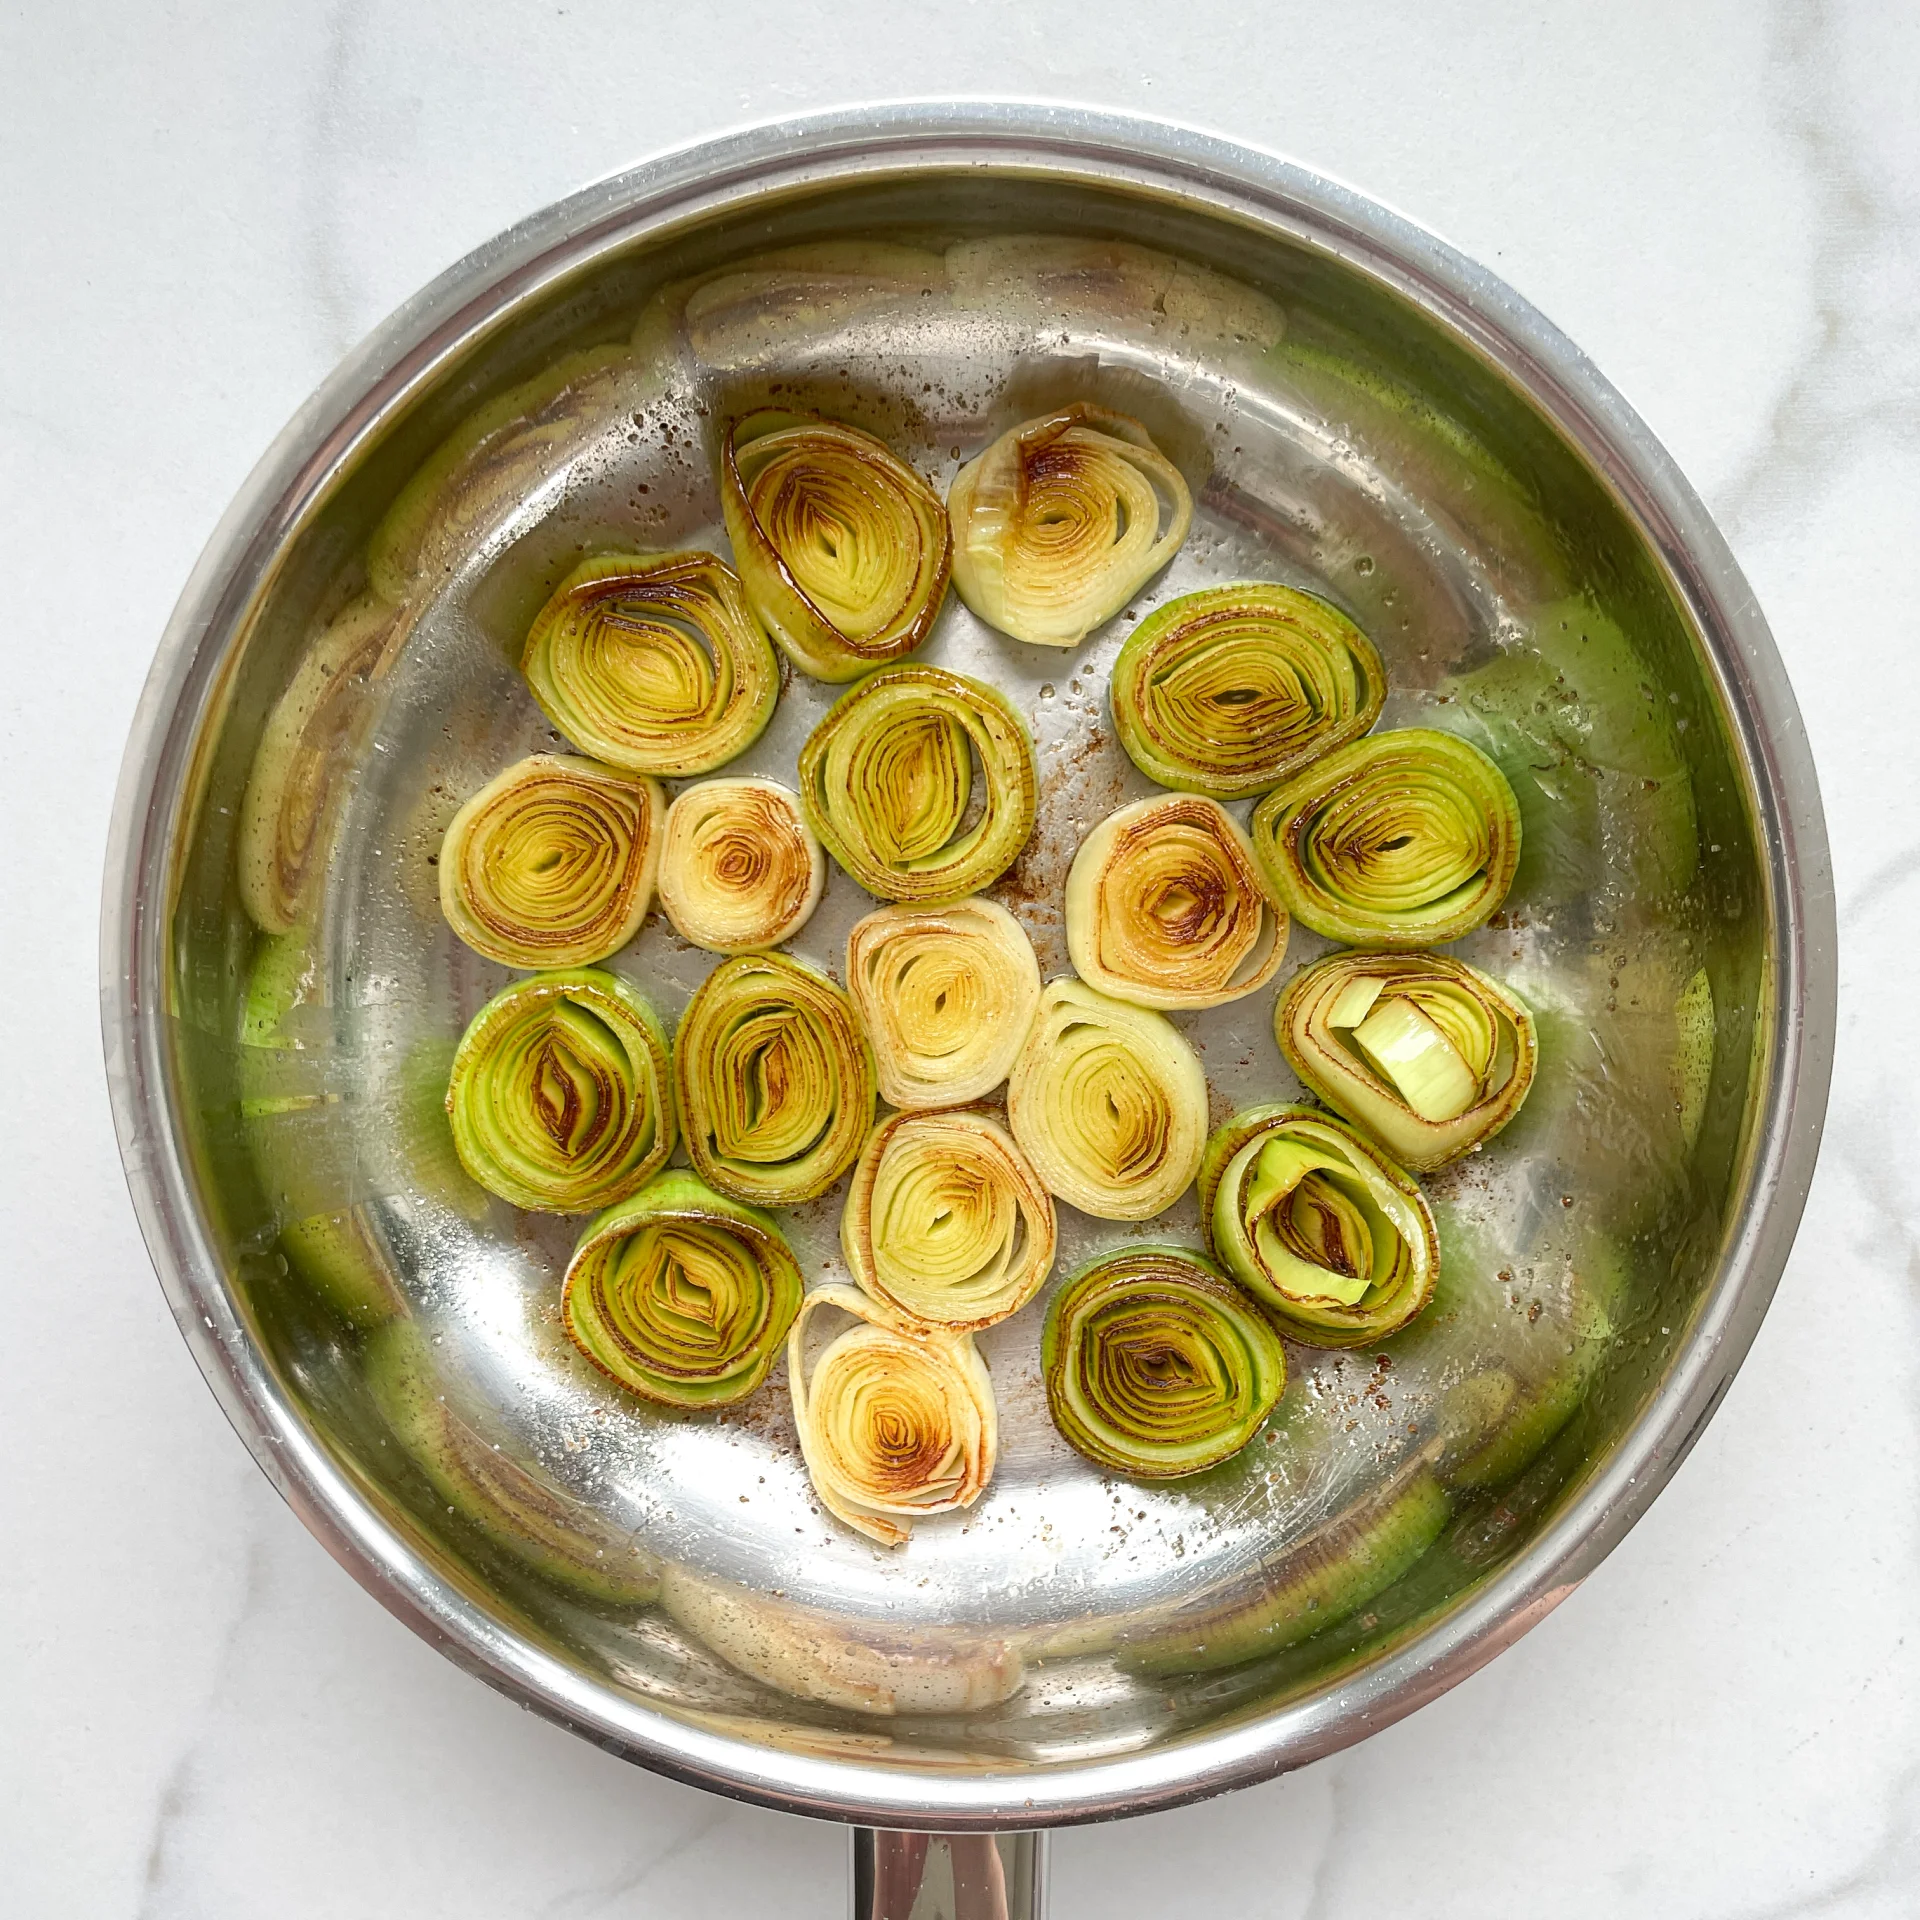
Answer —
1358 409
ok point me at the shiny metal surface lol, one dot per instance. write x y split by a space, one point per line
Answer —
1359 411
948 1876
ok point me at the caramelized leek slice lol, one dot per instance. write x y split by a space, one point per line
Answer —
1155 1366
559 1096
844 550
653 662
1166 907
775 1082
682 1295
1403 839
887 781
897 1419
946 1220
1419 1050
1109 1103
293 792
945 995
1062 520
1231 690
740 870
551 863
1332 1238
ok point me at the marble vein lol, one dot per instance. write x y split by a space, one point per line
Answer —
1861 370
177 1794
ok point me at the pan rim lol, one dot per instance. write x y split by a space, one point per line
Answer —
1235 181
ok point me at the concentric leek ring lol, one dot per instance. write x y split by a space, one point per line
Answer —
1419 1050
1231 690
653 662
1109 1103
1155 1366
1333 1239
945 996
1061 521
946 1220
844 550
1166 907
775 1082
682 1295
1403 839
559 1096
896 1419
887 778
740 870
293 790
551 863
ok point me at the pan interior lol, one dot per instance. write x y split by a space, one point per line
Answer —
1335 439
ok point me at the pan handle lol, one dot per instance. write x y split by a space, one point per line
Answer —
948 1876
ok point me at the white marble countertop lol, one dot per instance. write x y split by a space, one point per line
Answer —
203 206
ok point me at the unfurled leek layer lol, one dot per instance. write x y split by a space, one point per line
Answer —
559 1097
682 1295
305 752
1332 1238
1166 907
844 550
551 863
491 463
740 870
858 1662
1155 1366
1061 521
653 662
946 995
896 1418
1315 1584
288 1077
1403 839
1109 1103
775 1083
1231 690
946 1220
887 781
550 1531
1419 1050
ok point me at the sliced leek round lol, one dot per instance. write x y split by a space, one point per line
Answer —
775 1083
844 550
653 662
1419 1050
946 1220
1062 520
681 1294
1109 1103
897 1419
1231 690
1167 908
945 996
1155 1366
921 783
560 1099
1403 839
1332 1238
740 870
551 863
